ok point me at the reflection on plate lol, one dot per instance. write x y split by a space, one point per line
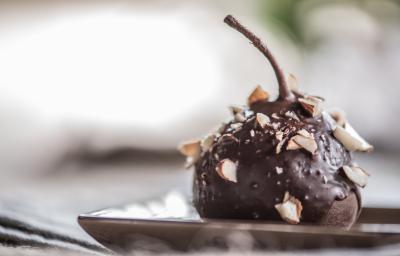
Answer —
171 223
173 206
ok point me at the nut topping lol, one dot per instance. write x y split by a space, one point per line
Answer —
262 120
290 209
312 105
190 161
239 117
207 142
257 95
356 175
235 109
279 146
275 115
292 145
293 115
351 139
226 169
303 139
279 135
305 133
308 144
190 148
275 126
236 126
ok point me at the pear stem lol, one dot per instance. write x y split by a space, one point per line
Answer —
284 91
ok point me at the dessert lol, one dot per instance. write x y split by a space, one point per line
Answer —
287 159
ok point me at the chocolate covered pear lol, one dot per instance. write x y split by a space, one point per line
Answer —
286 159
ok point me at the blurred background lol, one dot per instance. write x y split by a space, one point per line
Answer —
95 95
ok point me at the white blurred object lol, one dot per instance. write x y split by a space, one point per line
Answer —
124 76
109 68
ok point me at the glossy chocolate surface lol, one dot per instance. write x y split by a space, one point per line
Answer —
266 169
314 179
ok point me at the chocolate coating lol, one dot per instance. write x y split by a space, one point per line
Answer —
327 196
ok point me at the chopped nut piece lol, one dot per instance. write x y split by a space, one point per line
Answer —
252 133
305 133
279 135
308 144
239 117
356 175
279 146
236 126
236 109
312 104
190 161
290 209
339 116
305 140
279 170
226 169
257 95
292 145
262 119
351 139
293 115
286 196
190 148
248 113
275 126
207 142
275 115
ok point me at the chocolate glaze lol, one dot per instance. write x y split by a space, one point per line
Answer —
326 195
314 179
